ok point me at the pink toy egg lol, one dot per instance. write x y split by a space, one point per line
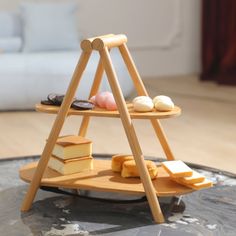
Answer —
93 100
101 99
110 103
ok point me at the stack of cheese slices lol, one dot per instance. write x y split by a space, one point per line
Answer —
184 175
71 154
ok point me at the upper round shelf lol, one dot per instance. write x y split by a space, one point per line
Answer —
104 113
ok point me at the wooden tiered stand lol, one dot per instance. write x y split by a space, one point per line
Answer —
102 178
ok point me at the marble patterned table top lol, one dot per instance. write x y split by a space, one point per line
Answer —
208 212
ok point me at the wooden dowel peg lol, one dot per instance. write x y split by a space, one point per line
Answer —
86 44
109 42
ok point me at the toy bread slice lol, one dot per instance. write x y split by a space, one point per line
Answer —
118 160
177 169
129 169
205 184
195 178
197 186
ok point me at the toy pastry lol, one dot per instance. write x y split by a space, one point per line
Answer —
93 100
72 146
143 104
163 103
71 166
110 103
82 105
129 169
54 99
118 160
47 102
57 99
105 100
101 97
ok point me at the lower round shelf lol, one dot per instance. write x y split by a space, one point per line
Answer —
102 178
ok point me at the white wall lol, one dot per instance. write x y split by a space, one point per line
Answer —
164 35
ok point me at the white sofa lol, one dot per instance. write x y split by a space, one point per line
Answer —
25 79
28 77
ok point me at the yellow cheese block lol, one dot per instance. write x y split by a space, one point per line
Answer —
177 169
195 178
72 146
70 166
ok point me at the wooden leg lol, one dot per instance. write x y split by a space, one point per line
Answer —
131 135
163 140
84 126
140 88
94 90
138 83
58 123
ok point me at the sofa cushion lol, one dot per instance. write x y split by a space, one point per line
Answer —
26 78
10 44
49 26
10 25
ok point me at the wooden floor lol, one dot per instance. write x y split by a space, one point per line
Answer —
205 133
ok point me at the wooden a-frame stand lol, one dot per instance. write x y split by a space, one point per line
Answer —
103 44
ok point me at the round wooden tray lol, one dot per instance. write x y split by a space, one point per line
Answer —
102 178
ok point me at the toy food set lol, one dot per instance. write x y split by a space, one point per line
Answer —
132 176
